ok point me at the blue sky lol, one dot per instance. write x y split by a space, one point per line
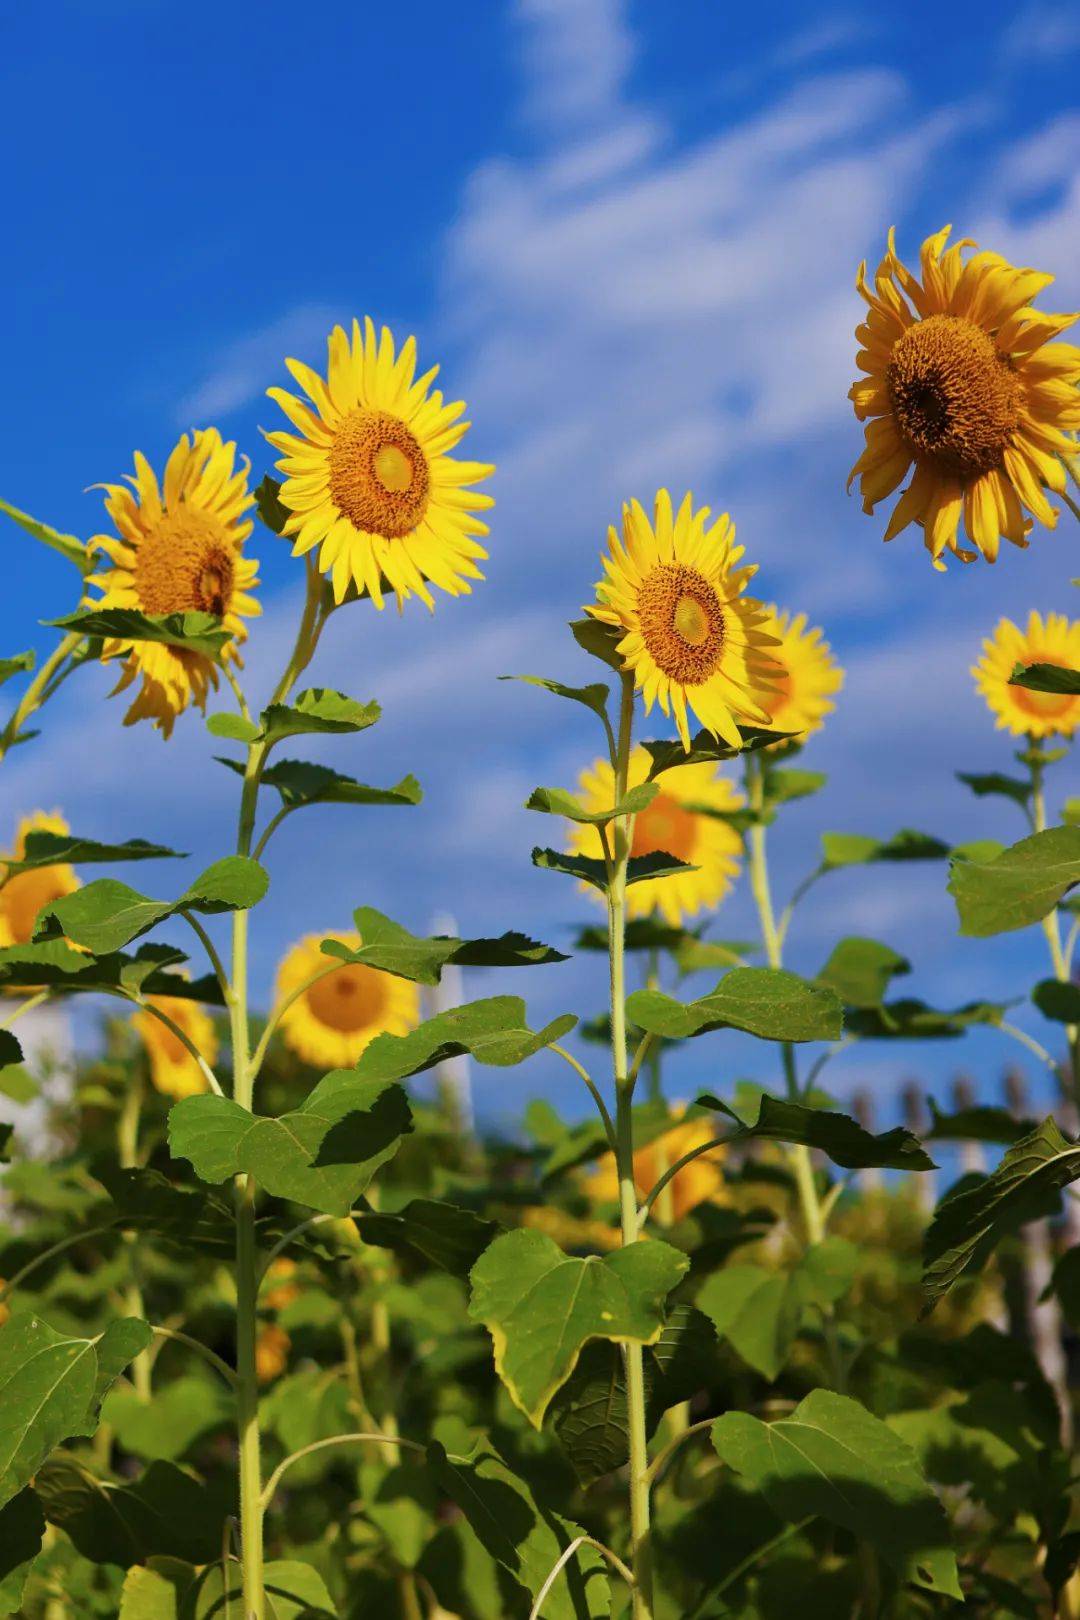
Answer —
629 233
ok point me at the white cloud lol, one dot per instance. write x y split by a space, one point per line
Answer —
250 364
1041 31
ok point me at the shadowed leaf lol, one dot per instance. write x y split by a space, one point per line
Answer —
842 1138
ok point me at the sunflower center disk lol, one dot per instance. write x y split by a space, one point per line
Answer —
682 623
187 564
664 825
955 397
378 474
349 999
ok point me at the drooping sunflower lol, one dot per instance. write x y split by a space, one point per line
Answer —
696 1183
179 550
963 384
807 674
25 894
368 475
673 823
173 1070
1053 640
330 1023
693 641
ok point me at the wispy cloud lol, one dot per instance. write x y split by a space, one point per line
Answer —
249 365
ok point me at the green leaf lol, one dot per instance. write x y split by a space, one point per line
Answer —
269 507
107 914
20 664
558 802
856 849
22 1527
913 1020
51 1387
837 1135
1058 1000
759 1311
642 934
861 970
639 868
163 1513
15 1083
299 783
541 1306
388 946
1018 887
598 640
68 545
994 783
449 1236
525 1540
594 697
587 1140
782 786
768 1002
967 1225
319 711
322 1154
695 955
192 632
233 727
182 1411
1047 678
55 963
494 1031
977 1124
10 1050
667 755
151 1594
52 849
834 1459
294 1591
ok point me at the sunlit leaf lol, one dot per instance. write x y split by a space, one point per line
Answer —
191 632
69 546
233 727
861 970
294 1591
782 786
495 1031
594 697
759 1311
107 914
318 711
182 1411
768 1002
558 802
1018 887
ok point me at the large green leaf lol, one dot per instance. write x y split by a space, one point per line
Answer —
181 1412
587 869
1018 887
541 1306
22 1526
1047 678
55 963
861 970
857 849
782 786
49 849
69 546
598 640
968 1224
318 711
523 1538
767 1002
842 1138
323 1154
834 1459
51 1388
191 632
993 784
558 802
759 1312
156 1594
107 914
294 1591
388 946
299 783
448 1235
594 697
163 1513
976 1124
495 1031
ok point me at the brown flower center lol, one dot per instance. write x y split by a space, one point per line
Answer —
350 999
379 475
188 563
682 623
664 825
955 396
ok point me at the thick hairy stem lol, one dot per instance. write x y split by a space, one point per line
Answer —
640 1540
127 1151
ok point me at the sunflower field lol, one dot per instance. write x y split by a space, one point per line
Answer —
286 1335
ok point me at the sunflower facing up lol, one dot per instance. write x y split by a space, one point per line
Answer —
179 550
25 894
329 1024
369 478
1053 640
963 384
691 638
173 1070
673 823
807 674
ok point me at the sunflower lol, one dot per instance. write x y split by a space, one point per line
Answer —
23 896
672 823
369 478
173 1070
692 640
272 1346
696 1183
180 550
807 674
962 381
1034 714
330 1023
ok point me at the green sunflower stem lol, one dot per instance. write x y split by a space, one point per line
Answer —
640 1534
41 688
1051 924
